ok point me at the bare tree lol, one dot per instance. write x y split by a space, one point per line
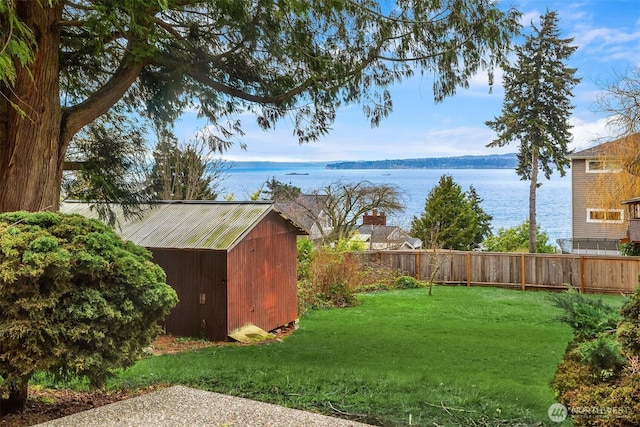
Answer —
621 100
343 205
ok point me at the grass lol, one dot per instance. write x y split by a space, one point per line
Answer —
464 356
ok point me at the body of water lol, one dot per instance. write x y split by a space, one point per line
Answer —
505 196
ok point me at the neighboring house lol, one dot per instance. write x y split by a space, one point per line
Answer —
231 263
377 235
308 211
633 214
593 229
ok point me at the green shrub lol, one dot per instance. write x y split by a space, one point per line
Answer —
305 257
309 297
340 295
375 287
572 373
629 327
587 316
629 249
595 372
602 352
76 300
408 282
516 239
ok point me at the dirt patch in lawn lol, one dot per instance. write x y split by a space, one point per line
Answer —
47 404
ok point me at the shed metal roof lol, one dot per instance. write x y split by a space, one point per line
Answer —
187 224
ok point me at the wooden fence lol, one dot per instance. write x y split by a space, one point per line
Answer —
589 274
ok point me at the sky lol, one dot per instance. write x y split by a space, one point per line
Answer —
607 33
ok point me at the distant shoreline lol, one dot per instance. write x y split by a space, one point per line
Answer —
492 161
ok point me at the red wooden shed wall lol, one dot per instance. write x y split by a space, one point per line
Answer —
262 287
192 273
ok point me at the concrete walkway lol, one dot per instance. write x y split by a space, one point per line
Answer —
182 406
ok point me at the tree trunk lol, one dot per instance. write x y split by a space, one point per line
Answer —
15 403
533 186
31 150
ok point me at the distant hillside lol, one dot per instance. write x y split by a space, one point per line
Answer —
493 161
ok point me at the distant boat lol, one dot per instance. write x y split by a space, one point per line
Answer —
297 173
386 174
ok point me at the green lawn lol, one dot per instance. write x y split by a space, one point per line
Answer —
464 356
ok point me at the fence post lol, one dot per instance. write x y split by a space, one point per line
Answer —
524 288
417 265
468 269
582 274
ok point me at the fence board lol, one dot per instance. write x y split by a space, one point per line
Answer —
590 274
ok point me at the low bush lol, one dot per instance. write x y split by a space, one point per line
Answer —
572 374
305 257
599 400
308 297
599 379
587 316
629 249
408 282
603 352
629 327
333 276
331 279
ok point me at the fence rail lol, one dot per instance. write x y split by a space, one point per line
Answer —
588 273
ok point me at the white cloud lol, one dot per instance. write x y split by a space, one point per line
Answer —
589 133
608 44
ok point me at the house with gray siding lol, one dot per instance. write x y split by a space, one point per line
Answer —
594 229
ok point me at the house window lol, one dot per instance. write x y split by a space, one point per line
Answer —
602 166
605 215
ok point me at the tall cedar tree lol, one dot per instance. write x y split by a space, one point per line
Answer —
537 107
63 64
449 219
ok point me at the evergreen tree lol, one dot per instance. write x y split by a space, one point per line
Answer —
537 107
107 167
483 218
184 172
449 219
278 190
76 301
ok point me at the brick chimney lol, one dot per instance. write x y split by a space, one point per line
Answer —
374 218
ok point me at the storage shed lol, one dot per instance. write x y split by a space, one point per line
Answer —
231 263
